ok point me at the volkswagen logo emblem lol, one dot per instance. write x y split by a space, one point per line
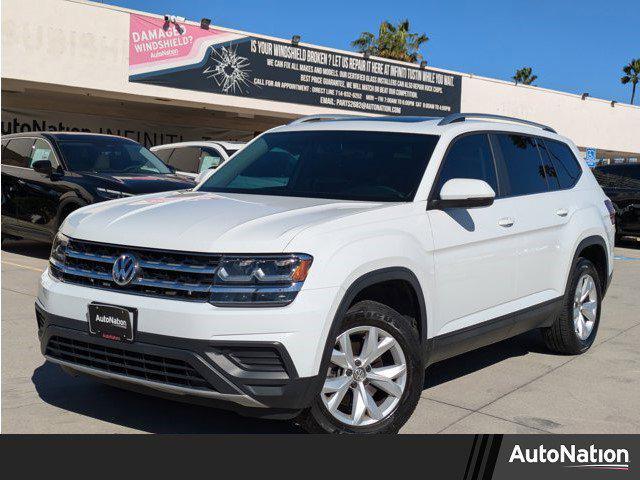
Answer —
125 269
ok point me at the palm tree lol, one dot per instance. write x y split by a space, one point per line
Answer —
524 76
631 73
393 41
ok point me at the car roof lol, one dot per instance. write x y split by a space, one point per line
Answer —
226 144
420 125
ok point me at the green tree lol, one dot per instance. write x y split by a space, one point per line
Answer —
631 72
525 76
393 41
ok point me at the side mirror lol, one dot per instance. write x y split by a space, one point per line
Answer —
465 193
43 166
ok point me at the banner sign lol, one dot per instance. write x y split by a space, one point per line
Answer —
188 57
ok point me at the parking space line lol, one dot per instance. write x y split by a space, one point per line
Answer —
39 270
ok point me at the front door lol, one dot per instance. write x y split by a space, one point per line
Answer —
476 248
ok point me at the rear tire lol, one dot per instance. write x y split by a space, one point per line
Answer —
575 329
368 392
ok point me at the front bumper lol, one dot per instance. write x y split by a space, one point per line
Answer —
197 371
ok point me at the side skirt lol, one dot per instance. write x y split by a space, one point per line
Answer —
492 331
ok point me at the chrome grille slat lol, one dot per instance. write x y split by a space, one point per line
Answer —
166 274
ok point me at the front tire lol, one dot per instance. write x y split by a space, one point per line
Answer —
375 374
575 329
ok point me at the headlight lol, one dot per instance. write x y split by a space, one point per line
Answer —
260 280
112 194
58 249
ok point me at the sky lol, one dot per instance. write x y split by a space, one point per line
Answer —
573 45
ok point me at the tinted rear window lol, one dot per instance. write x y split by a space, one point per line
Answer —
630 171
566 166
17 153
525 173
618 176
347 165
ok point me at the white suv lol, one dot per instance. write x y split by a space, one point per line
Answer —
319 272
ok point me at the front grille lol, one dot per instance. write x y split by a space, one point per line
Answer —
168 274
256 359
154 368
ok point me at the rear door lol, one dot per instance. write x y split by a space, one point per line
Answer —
15 164
476 248
542 210
40 195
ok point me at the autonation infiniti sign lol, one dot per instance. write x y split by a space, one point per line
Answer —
188 57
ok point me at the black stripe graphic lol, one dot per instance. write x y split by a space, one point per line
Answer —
494 450
471 457
480 457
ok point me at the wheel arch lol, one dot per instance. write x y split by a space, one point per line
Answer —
365 281
594 249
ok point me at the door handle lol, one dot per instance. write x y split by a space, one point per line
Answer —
506 222
562 212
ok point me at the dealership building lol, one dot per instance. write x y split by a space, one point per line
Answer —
79 65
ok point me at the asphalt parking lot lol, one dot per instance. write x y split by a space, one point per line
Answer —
514 386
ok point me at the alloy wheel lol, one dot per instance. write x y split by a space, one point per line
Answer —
585 306
366 378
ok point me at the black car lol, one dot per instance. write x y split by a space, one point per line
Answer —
45 176
621 183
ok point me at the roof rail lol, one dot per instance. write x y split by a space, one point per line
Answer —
461 117
321 118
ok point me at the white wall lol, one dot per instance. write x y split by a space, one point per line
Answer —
589 123
81 44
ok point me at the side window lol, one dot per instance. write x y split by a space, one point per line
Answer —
209 158
565 162
185 159
163 154
17 153
550 170
42 151
525 173
469 157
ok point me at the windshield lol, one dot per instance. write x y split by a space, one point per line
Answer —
345 165
109 155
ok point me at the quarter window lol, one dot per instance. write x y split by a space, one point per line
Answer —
17 153
469 157
525 173
565 163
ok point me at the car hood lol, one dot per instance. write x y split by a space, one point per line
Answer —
142 183
206 222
